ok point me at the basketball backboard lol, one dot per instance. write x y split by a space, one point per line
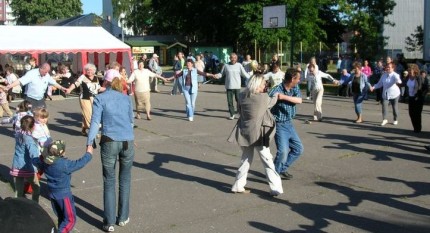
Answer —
274 16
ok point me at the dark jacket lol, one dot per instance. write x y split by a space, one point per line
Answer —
60 172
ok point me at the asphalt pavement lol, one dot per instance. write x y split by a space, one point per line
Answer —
350 178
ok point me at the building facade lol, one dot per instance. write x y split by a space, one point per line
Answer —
6 14
407 16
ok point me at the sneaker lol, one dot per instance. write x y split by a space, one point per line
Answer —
395 122
231 118
123 223
307 98
286 175
190 119
108 228
384 122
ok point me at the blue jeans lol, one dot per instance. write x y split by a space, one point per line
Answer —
288 145
190 101
110 151
176 87
358 100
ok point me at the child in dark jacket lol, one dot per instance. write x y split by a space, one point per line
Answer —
58 171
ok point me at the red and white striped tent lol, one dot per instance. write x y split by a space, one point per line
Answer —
87 44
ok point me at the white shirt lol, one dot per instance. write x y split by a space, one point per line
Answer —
389 84
411 87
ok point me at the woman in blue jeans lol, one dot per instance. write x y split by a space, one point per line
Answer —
188 81
114 111
359 87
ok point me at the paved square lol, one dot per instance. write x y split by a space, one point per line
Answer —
351 177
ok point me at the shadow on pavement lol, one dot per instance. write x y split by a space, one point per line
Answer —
323 215
159 159
82 209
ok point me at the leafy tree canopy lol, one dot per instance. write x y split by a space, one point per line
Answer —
30 12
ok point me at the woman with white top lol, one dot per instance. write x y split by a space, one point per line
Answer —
312 61
417 90
10 78
315 77
390 92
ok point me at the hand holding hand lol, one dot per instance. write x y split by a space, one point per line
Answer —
90 149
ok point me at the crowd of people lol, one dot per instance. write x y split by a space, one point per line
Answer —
265 108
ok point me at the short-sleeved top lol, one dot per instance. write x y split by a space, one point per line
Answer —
284 110
89 87
36 84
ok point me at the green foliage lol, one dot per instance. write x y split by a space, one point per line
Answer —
138 14
366 19
415 42
239 22
30 12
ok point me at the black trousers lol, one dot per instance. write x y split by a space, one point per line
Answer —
415 110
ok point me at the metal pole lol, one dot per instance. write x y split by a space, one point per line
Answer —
122 32
293 23
301 53
280 50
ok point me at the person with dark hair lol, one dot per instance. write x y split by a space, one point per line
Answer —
359 86
22 168
275 76
253 131
288 144
10 78
390 92
188 80
177 68
114 111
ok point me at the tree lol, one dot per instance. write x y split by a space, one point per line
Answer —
30 12
415 41
367 18
314 21
138 14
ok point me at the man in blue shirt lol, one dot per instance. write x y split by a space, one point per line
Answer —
288 144
37 80
345 78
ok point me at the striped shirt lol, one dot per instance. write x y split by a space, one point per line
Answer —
284 110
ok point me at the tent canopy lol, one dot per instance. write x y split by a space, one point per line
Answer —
91 44
58 39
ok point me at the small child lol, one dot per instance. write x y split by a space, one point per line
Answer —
58 171
23 109
41 131
22 167
4 104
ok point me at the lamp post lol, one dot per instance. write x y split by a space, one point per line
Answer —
121 19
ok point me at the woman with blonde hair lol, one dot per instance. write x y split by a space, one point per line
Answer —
114 111
253 131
